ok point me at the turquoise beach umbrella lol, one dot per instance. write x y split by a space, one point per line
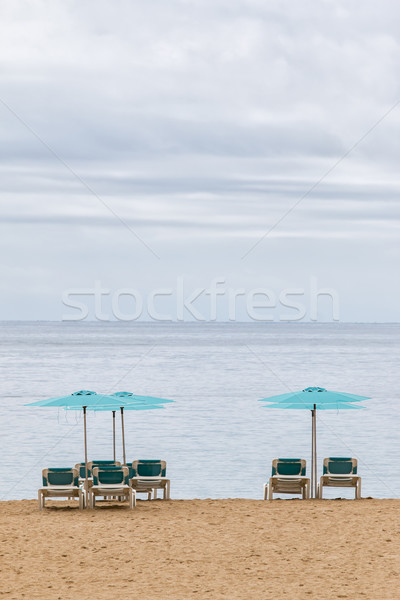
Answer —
313 399
78 400
84 400
125 401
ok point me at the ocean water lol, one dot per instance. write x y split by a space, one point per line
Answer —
218 441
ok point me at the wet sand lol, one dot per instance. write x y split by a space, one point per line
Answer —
183 549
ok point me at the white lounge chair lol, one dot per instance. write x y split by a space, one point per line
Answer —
288 477
150 476
111 483
60 483
340 472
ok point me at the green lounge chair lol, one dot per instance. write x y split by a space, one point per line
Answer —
340 472
80 467
111 482
60 483
288 477
148 476
103 464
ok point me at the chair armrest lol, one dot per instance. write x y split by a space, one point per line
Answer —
148 479
339 477
290 477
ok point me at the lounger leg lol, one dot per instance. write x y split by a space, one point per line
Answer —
320 488
358 489
40 500
155 493
132 498
270 491
168 489
148 495
265 491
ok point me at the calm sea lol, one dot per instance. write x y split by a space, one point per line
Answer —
217 439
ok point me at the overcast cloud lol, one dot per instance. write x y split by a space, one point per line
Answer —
195 126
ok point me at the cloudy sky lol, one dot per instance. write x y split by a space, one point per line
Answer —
166 145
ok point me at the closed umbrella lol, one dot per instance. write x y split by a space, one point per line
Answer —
313 399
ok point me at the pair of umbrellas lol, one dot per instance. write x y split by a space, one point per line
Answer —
87 400
313 399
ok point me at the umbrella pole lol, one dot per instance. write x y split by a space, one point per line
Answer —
113 414
123 434
86 462
312 454
315 452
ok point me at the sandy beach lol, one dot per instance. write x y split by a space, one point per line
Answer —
180 549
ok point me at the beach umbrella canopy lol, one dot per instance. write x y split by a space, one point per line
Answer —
312 406
314 395
78 399
130 398
313 399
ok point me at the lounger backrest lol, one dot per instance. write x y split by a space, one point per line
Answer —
115 468
103 463
289 466
110 475
338 465
81 470
60 476
149 468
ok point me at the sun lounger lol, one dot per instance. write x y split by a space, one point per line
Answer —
81 470
148 476
288 477
111 482
340 472
104 464
60 483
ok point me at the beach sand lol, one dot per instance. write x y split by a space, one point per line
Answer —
183 549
